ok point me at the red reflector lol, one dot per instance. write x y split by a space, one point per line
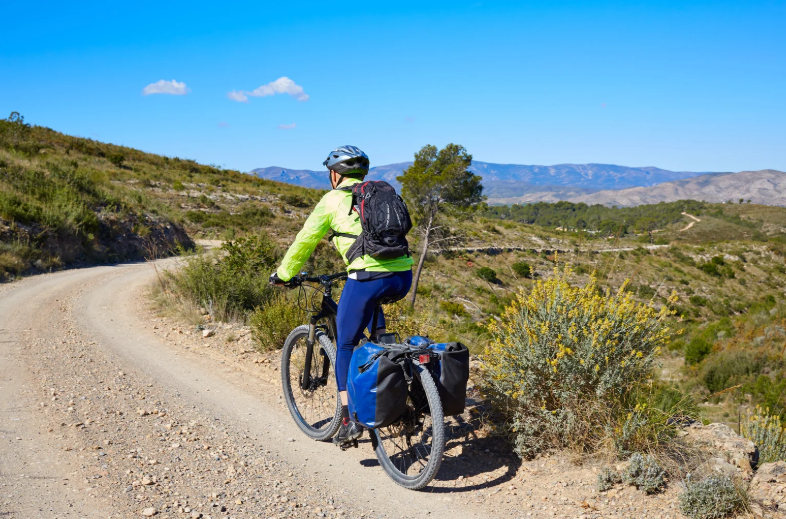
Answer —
424 359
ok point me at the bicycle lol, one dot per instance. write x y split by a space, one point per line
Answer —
410 449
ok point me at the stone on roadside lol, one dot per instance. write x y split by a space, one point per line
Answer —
148 512
727 445
208 333
769 485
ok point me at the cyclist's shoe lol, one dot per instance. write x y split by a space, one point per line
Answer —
348 434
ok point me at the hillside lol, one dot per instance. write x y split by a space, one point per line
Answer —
66 200
766 187
547 183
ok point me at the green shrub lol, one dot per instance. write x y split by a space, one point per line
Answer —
116 159
487 274
565 362
582 269
710 268
231 285
726 369
272 322
454 308
644 472
697 350
714 497
178 185
697 300
768 433
607 478
522 268
295 201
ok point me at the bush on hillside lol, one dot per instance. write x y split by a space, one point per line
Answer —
116 159
272 322
487 274
607 478
230 285
522 268
714 497
727 369
768 433
697 350
566 362
452 308
644 472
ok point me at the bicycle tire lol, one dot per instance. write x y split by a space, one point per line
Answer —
328 429
416 482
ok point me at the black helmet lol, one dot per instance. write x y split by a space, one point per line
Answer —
347 160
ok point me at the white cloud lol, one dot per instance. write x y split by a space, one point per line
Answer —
166 87
240 97
282 85
287 126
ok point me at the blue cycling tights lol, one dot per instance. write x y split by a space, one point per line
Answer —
356 310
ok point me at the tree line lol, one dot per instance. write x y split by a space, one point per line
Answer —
597 218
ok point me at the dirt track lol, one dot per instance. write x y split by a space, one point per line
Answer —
106 412
89 393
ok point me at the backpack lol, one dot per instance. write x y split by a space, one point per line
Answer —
384 218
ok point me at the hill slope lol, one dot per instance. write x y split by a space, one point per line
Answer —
511 180
766 187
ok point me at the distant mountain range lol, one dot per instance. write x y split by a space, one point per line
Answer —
604 184
511 180
767 187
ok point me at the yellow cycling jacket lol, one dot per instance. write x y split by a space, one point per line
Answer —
333 212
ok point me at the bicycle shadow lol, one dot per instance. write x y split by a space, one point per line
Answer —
473 460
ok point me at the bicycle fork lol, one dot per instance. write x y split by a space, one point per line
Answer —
305 381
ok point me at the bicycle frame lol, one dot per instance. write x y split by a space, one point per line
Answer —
328 310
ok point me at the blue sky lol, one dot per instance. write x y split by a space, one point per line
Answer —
698 86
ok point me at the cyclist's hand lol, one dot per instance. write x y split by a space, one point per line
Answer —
292 283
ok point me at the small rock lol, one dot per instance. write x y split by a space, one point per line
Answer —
208 333
147 481
149 512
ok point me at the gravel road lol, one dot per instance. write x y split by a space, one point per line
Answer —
108 410
103 418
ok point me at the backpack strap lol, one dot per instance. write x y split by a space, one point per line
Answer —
333 234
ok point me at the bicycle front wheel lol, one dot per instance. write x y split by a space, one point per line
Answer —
410 450
316 409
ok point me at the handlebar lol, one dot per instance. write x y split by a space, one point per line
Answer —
323 279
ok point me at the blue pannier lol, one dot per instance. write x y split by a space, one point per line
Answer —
377 386
451 372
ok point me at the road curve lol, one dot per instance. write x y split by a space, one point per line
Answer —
100 418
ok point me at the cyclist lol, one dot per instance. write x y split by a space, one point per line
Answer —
369 280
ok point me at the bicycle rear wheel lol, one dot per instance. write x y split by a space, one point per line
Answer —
410 450
316 410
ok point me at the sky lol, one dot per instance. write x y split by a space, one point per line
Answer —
683 85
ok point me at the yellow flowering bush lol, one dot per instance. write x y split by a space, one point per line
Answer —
767 432
565 361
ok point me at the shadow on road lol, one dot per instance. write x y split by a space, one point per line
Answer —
473 461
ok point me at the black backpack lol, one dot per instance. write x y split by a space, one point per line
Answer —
384 218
